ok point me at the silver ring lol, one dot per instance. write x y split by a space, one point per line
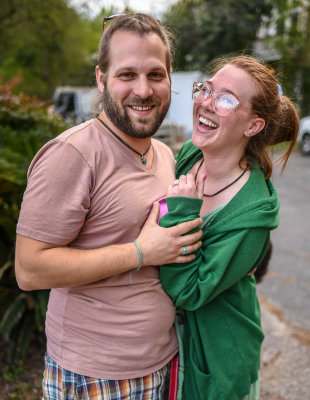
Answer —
184 250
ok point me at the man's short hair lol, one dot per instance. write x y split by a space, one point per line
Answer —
140 24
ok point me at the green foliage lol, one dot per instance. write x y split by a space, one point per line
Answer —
292 41
49 42
22 316
10 375
206 29
25 125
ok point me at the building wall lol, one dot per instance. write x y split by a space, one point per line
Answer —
181 109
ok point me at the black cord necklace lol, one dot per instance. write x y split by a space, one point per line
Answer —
224 188
143 159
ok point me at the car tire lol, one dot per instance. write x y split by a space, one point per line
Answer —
305 145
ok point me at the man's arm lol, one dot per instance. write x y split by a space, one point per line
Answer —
40 265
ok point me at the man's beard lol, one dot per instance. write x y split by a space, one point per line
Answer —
120 118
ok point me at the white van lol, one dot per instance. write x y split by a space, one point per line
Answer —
74 103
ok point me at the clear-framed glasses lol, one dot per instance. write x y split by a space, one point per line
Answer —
223 102
109 18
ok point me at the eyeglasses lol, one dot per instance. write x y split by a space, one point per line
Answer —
223 102
109 18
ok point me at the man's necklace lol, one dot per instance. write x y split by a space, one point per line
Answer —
143 159
224 188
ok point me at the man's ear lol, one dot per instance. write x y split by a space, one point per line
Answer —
257 125
100 79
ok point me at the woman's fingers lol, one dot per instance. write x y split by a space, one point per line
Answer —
182 180
184 186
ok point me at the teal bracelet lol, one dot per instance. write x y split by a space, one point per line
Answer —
140 258
140 254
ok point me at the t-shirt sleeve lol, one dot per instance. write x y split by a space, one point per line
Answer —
57 197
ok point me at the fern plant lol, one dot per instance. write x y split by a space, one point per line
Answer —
22 314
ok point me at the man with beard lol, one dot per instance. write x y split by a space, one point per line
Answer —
82 230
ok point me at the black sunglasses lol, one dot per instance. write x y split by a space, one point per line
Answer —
110 17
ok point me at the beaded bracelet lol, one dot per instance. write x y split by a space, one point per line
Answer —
140 258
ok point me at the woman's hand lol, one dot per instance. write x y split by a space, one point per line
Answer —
186 186
166 245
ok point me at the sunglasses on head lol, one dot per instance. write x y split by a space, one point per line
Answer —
109 18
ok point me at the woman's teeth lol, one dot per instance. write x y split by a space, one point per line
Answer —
207 122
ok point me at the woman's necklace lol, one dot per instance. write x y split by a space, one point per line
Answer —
224 188
143 159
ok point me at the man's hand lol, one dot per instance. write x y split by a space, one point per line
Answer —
166 245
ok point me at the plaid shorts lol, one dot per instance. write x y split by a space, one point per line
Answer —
61 384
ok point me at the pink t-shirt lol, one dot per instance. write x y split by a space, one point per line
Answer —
87 190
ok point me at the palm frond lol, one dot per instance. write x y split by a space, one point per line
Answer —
13 315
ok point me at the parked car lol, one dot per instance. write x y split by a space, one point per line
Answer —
304 136
74 103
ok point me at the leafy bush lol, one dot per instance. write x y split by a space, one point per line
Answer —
25 125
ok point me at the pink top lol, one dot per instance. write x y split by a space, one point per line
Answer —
87 190
163 207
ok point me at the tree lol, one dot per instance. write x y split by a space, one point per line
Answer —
292 41
206 29
47 41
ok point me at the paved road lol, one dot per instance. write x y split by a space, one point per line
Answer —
284 292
